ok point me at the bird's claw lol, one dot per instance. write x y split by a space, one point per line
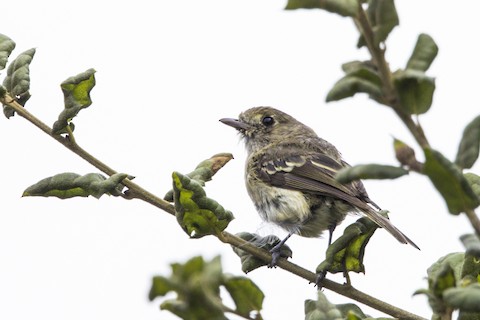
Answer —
319 279
275 251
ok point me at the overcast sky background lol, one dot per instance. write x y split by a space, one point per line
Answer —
166 72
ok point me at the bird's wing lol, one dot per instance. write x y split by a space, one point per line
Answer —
310 173
316 174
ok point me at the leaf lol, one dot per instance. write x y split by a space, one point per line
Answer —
321 309
472 244
369 171
450 182
383 17
249 262
346 253
68 185
17 81
465 299
468 148
406 155
474 182
471 262
6 47
415 90
351 311
361 77
205 170
345 8
197 285
245 294
197 215
76 92
440 279
160 287
444 279
423 54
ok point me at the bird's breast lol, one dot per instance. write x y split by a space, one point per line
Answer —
287 208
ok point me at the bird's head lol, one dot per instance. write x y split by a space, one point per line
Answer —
261 126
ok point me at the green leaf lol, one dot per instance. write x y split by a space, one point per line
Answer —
361 77
250 262
383 17
474 182
76 92
160 287
415 90
468 148
6 47
472 244
444 279
321 309
197 214
423 54
17 81
245 294
346 253
205 171
67 185
465 299
369 171
345 8
406 155
440 279
449 181
351 311
197 285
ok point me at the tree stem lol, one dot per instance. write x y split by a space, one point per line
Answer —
474 221
135 191
389 91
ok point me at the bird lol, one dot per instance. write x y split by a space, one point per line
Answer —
290 177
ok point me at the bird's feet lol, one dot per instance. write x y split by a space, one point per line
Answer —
319 279
276 255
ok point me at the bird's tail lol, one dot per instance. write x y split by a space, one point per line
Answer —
385 223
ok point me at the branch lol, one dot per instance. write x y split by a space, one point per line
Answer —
390 94
474 221
136 191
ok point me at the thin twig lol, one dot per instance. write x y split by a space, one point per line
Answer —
390 94
135 191
474 221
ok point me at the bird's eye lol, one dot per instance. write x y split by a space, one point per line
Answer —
267 121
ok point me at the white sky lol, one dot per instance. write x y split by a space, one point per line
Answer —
167 71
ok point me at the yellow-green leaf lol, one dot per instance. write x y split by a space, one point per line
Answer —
205 170
76 92
197 214
67 185
346 253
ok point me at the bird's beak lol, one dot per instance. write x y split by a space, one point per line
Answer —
235 123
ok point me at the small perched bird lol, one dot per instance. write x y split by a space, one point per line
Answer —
290 177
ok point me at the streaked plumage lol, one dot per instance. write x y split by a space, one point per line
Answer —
290 173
